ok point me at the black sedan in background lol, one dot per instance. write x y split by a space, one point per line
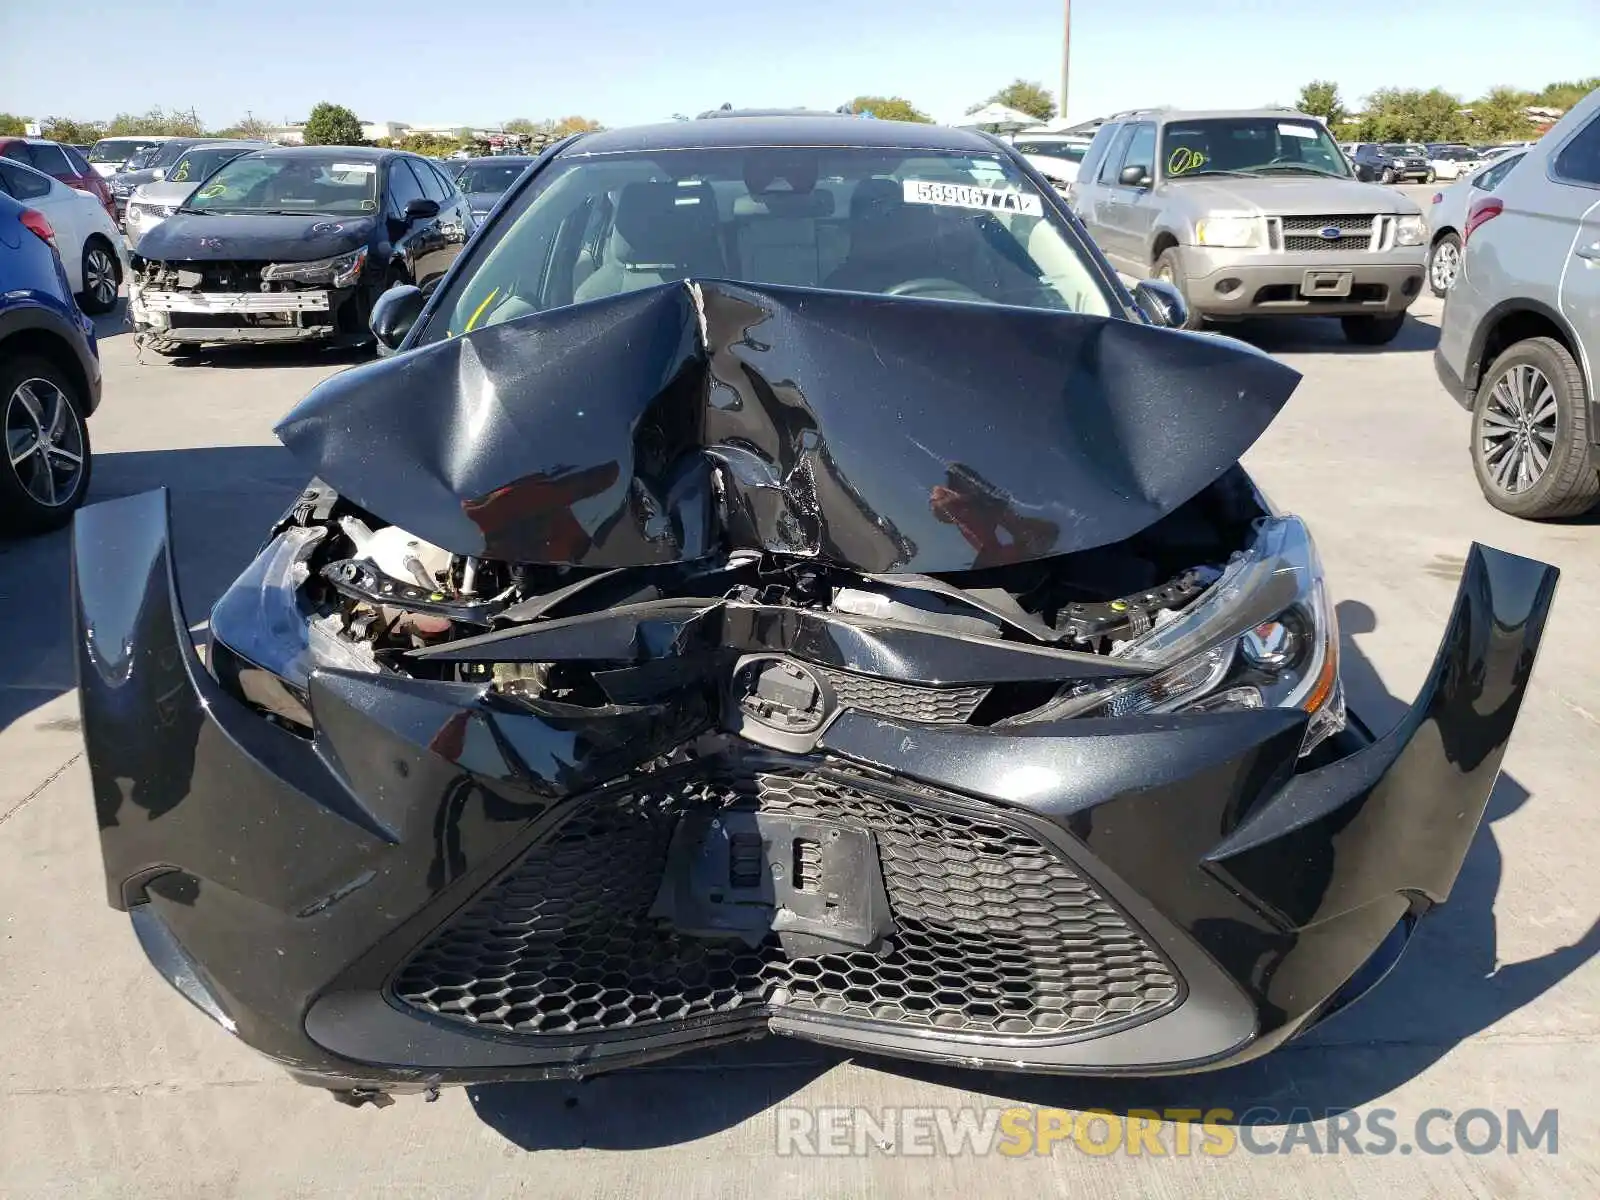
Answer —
483 180
295 245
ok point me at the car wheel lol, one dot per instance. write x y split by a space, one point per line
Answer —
102 275
1167 270
1430 176
1444 260
1387 176
1530 433
1372 331
47 466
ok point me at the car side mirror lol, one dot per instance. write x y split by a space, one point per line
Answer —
421 209
1162 303
395 312
1134 176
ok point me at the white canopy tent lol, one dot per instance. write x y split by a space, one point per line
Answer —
996 118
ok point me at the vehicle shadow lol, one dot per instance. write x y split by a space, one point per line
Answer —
252 358
223 500
114 323
1278 335
1448 987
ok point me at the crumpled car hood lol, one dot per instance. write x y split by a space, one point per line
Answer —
879 433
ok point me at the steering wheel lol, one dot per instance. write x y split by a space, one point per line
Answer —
930 287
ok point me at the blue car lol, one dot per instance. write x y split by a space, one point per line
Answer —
49 378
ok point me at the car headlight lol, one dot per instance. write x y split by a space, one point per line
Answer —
1264 635
339 271
1227 231
1410 231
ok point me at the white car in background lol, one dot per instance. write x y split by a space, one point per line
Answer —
1054 155
1447 218
152 203
86 237
109 155
1451 160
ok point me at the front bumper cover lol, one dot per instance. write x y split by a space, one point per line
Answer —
1149 895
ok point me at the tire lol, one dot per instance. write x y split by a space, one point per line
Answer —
1566 485
1430 176
1387 176
102 275
32 501
1444 261
1168 269
1372 331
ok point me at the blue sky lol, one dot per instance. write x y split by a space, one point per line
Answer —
629 61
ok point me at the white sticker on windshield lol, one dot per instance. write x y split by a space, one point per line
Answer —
956 195
353 168
1301 131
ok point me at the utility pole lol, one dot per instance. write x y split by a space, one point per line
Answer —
1066 53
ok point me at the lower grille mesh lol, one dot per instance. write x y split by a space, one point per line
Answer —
995 934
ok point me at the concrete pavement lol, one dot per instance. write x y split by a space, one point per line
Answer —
113 1086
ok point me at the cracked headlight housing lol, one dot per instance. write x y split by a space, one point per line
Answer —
341 270
1263 636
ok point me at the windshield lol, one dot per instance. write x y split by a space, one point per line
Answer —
197 164
289 184
916 223
118 150
1071 151
493 177
1407 149
1249 145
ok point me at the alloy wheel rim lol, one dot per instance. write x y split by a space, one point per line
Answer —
1446 261
102 276
1517 434
44 442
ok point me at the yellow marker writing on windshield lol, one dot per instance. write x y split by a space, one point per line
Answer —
478 312
1185 159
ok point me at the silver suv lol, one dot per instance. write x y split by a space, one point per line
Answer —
1252 213
1522 325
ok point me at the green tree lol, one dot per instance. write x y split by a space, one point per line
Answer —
1410 115
889 108
250 127
74 133
13 125
519 125
1320 98
332 125
563 126
1565 95
1025 96
157 121
1502 116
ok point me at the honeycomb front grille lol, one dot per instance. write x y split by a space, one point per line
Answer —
906 701
1361 224
995 935
1302 244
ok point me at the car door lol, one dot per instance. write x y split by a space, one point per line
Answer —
454 224
1094 196
1576 170
409 235
1139 206
1118 209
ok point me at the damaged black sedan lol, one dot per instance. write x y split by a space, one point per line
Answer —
294 244
784 585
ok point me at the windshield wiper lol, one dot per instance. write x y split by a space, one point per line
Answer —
1214 171
1304 170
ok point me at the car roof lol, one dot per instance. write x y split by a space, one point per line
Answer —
347 153
1165 115
779 131
497 158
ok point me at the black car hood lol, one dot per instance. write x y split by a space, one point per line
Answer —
879 433
203 237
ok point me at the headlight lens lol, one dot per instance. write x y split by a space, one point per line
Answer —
339 271
1263 636
1411 231
1227 231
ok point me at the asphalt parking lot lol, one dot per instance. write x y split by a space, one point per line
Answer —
114 1086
